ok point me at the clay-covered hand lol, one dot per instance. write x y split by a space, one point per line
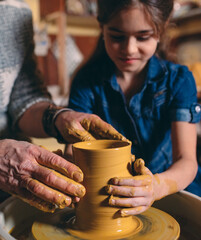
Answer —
77 126
133 194
39 177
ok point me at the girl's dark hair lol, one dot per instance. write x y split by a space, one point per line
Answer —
157 11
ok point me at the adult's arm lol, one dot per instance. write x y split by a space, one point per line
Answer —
72 126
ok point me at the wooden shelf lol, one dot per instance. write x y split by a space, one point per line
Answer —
194 13
75 25
188 24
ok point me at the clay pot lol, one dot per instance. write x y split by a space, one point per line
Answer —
100 161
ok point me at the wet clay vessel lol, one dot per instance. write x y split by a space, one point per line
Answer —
100 161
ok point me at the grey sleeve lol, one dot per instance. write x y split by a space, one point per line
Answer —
28 89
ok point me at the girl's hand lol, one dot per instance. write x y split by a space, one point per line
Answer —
134 194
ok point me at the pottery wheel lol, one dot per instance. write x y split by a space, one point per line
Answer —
156 224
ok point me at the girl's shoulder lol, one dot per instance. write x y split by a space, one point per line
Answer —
178 77
173 67
161 69
170 75
179 73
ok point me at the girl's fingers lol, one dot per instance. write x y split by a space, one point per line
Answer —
58 181
135 181
133 211
135 194
139 167
127 202
131 192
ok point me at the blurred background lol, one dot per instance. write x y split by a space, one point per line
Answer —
66 33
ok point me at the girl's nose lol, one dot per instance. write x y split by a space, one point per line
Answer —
130 46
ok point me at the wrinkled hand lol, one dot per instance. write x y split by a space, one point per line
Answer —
76 126
39 177
135 194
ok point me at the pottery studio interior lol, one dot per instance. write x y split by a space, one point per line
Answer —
100 132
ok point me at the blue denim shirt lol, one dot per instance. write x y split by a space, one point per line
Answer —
168 94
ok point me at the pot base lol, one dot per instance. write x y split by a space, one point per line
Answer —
152 224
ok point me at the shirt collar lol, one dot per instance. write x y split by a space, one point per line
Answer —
114 83
156 70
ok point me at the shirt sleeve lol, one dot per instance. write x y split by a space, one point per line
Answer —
28 89
184 105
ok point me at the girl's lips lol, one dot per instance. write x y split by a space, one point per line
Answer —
129 60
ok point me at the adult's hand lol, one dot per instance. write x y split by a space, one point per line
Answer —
37 176
77 126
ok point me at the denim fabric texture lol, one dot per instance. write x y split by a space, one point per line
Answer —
168 94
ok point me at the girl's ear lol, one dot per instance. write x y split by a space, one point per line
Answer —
101 28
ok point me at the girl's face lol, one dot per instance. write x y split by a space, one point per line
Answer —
130 40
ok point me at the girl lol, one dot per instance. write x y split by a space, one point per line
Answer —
152 102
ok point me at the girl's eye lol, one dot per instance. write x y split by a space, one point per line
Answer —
117 38
143 38
120 38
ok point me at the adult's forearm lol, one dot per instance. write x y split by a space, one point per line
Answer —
31 121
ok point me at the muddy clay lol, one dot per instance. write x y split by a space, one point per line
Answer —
94 218
100 161
18 218
156 225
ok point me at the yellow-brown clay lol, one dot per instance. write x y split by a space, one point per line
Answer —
95 219
156 225
97 129
170 186
79 189
139 166
157 178
64 171
132 158
101 160
60 199
39 203
93 128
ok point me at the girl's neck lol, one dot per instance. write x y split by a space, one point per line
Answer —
130 83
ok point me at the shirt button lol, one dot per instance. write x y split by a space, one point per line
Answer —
197 109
